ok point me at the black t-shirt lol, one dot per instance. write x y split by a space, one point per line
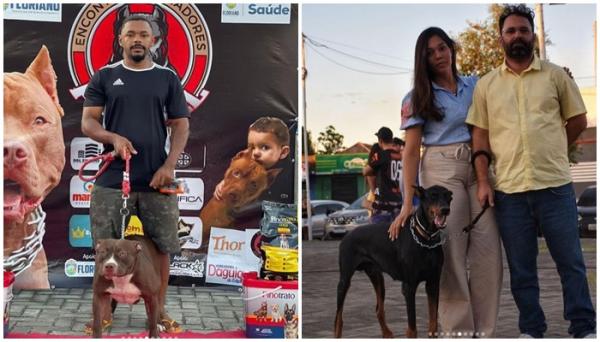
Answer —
389 176
136 105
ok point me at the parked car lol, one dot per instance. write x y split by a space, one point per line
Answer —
347 219
586 209
320 209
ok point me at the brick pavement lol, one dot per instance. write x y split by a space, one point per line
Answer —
64 311
319 283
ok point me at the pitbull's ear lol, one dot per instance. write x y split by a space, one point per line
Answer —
242 154
138 246
419 191
271 175
41 68
98 245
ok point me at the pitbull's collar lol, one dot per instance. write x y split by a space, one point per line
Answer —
19 260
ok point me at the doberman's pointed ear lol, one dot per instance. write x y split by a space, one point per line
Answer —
419 191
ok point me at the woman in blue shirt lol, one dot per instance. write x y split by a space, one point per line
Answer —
433 115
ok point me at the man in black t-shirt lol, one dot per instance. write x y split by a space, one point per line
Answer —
386 164
145 116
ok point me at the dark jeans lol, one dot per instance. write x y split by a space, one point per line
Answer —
554 210
384 216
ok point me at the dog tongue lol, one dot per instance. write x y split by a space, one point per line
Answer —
440 220
12 199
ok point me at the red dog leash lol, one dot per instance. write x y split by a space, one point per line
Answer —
107 158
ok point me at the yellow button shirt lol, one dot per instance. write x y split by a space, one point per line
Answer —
525 116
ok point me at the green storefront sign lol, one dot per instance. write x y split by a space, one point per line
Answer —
341 163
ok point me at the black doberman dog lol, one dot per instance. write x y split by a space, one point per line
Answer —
414 257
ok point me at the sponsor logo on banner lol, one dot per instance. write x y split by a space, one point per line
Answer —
189 231
80 232
82 149
78 269
184 161
93 44
80 192
229 255
33 11
256 13
193 197
189 267
134 226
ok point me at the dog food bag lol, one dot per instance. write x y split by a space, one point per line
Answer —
279 225
279 245
280 260
270 307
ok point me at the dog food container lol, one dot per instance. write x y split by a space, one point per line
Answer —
270 307
9 279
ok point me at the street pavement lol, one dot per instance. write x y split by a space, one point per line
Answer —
320 278
65 311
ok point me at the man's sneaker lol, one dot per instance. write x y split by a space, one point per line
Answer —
525 335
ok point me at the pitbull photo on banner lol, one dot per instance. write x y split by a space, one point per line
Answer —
232 74
34 157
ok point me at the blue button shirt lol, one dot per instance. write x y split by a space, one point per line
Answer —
452 129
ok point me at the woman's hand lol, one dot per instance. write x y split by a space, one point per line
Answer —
400 220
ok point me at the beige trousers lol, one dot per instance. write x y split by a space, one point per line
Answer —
472 272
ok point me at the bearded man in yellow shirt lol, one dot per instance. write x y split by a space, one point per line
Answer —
525 114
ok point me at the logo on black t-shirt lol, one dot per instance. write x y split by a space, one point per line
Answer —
188 54
396 170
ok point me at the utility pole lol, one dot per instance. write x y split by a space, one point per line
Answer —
539 27
304 74
595 52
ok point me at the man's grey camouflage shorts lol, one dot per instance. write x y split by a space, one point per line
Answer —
158 212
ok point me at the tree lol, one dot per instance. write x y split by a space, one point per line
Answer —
311 145
330 140
478 50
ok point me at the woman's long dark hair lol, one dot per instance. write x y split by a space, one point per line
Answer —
422 96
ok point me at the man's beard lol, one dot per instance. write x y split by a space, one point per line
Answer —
519 49
138 58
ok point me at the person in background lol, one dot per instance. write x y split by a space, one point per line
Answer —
385 164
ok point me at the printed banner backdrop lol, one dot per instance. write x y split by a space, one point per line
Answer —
232 73
229 255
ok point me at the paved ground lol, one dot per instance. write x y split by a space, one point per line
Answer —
65 311
320 277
